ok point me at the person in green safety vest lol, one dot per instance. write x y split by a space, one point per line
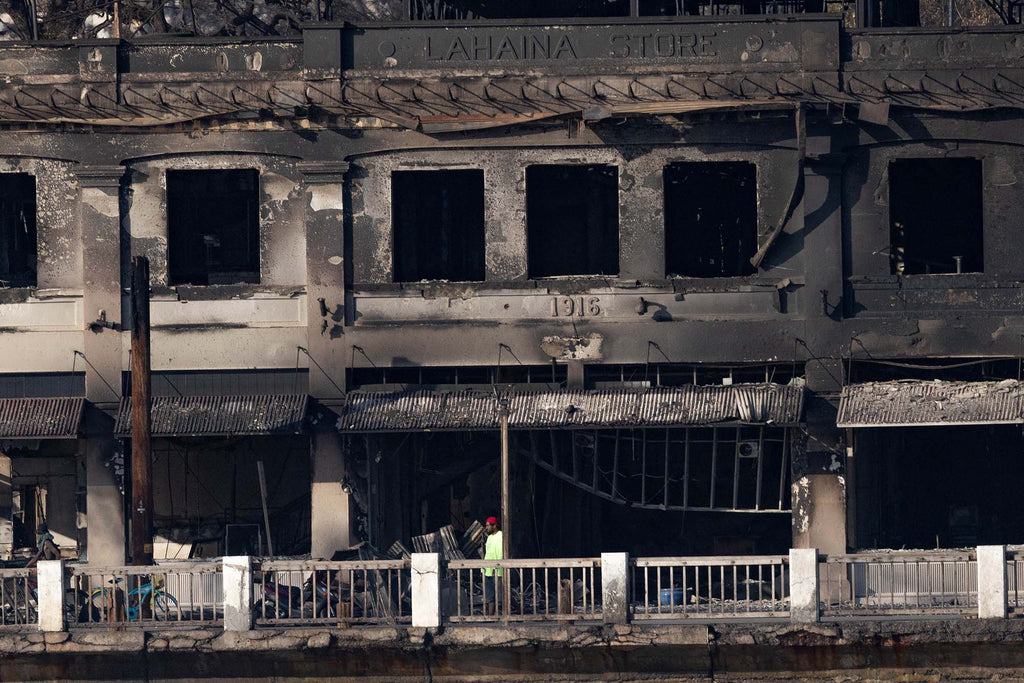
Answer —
492 551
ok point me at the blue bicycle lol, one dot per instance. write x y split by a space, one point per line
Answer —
146 600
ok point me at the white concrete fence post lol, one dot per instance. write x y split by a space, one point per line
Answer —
992 582
50 594
803 585
237 582
426 590
615 587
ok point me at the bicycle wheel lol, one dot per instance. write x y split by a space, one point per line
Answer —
165 606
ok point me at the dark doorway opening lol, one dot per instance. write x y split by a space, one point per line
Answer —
710 219
438 223
572 220
935 216
17 230
213 227
938 487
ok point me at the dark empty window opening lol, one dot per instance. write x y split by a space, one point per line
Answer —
213 227
17 230
710 219
935 216
438 222
572 220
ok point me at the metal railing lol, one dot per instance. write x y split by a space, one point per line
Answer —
941 582
18 598
710 587
304 592
162 594
1015 582
528 590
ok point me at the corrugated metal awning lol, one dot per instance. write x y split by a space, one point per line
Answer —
690 405
40 418
918 403
219 415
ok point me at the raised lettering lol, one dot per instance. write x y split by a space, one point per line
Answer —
506 46
538 47
641 43
688 43
457 51
431 57
664 45
481 47
620 45
706 48
564 45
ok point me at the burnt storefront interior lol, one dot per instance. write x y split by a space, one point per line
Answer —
17 230
737 282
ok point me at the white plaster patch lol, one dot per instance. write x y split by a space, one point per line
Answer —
323 198
276 186
101 202
335 260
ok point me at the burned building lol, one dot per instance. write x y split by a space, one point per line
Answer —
740 281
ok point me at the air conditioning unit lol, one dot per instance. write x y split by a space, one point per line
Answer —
748 449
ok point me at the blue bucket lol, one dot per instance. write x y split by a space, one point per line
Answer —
670 596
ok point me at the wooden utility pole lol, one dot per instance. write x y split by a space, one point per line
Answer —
142 484
503 415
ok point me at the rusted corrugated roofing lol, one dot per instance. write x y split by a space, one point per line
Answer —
905 403
40 418
219 415
690 405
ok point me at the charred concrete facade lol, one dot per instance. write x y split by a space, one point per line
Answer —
806 281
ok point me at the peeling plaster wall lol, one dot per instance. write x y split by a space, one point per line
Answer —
57 231
641 225
281 211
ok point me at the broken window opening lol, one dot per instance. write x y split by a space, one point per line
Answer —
213 227
710 219
572 220
935 216
438 225
17 230
724 469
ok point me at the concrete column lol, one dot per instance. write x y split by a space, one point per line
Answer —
50 594
991 582
426 590
330 516
101 348
237 581
6 504
325 277
615 587
819 454
803 585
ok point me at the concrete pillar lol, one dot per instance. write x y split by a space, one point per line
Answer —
325 277
50 594
6 505
330 515
803 585
237 581
615 587
991 582
426 590
105 530
101 347
819 453
819 467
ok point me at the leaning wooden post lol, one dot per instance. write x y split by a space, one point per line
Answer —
142 485
505 578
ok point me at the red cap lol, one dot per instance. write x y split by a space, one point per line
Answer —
492 520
